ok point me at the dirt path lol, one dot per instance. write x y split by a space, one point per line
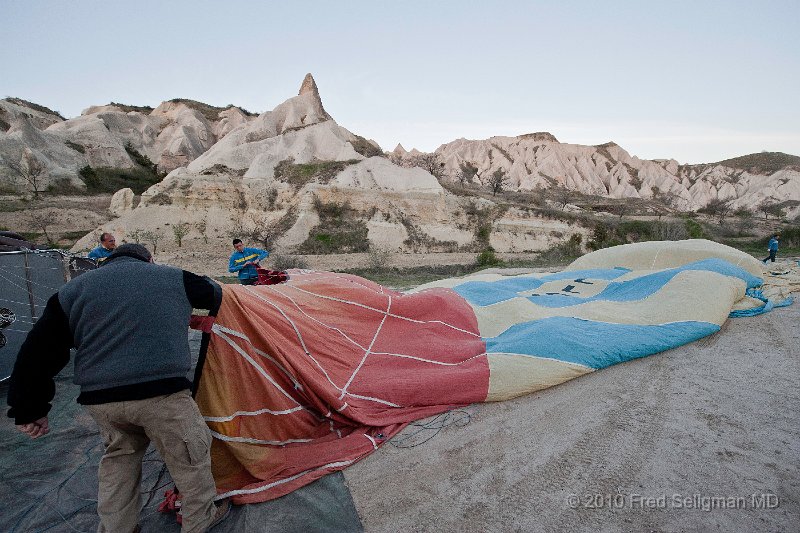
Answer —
716 418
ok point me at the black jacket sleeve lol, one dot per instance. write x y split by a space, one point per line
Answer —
43 354
203 293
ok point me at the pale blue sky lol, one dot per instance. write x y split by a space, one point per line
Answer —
698 81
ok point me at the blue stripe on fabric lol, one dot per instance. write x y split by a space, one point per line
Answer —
595 344
768 306
644 286
491 292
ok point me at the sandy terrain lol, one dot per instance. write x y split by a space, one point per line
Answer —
716 418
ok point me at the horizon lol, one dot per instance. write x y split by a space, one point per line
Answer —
683 81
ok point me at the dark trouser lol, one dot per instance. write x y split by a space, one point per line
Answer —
771 256
248 281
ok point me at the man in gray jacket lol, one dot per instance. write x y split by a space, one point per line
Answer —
128 323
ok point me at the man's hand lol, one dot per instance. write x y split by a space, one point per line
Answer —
35 429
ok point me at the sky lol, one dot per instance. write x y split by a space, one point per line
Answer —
698 81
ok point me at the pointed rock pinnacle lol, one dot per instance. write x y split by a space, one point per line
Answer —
309 86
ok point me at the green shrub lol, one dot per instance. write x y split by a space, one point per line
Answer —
110 180
418 240
339 231
365 148
161 199
300 174
35 107
635 230
694 229
487 258
64 186
562 253
210 112
285 262
141 159
483 233
603 236
763 163
220 169
144 109
790 238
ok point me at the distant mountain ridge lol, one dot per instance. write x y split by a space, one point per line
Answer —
197 137
538 161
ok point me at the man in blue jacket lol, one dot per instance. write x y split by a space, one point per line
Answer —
244 261
772 248
104 249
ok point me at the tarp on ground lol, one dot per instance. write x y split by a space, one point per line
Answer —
305 378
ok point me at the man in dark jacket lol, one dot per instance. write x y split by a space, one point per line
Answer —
128 323
772 248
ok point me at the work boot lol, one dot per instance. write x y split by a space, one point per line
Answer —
223 510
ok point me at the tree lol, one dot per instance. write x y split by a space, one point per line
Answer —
41 220
667 198
30 169
743 215
135 236
180 231
620 209
466 173
770 208
717 208
563 196
152 237
430 162
658 197
497 181
260 231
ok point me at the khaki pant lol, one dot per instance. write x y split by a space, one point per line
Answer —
174 424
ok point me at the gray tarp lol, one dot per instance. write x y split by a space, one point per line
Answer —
50 484
27 280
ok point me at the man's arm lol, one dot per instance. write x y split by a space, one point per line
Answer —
202 292
43 354
233 266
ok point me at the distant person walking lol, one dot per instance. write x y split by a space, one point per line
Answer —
772 248
104 249
244 261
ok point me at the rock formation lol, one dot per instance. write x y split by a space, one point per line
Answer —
281 172
295 178
539 161
171 136
121 202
